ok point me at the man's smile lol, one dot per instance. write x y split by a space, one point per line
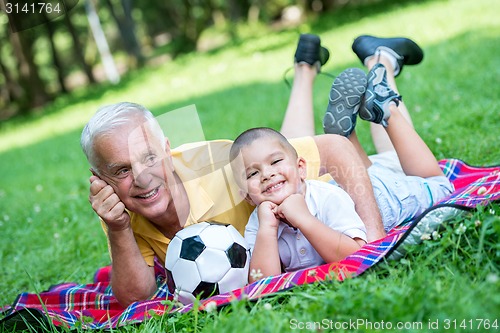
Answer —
151 195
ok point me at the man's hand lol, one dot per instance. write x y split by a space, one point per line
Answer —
108 205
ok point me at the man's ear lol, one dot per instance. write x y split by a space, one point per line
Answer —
302 166
168 153
245 197
94 172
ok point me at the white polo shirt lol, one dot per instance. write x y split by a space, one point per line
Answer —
329 204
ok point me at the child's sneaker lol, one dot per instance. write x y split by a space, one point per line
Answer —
344 102
310 51
378 96
404 51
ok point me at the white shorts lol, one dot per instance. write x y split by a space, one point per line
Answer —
389 159
400 198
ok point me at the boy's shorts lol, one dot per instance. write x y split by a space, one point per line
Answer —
399 197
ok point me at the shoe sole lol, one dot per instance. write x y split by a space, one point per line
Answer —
344 102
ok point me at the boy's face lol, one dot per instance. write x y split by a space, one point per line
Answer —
271 172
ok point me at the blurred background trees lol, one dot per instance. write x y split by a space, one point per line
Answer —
54 58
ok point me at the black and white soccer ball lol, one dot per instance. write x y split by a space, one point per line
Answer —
206 259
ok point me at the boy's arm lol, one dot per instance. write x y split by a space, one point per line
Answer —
331 244
265 255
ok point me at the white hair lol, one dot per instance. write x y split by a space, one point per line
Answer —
111 117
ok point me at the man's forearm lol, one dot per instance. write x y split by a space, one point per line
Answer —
340 159
131 278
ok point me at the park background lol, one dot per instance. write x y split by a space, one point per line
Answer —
228 58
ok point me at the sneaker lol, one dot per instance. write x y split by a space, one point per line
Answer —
406 51
344 102
378 96
310 51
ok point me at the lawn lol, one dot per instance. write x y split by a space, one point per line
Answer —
49 233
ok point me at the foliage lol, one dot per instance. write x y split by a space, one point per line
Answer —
41 61
49 232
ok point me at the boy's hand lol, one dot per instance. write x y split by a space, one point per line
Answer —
267 215
293 210
107 205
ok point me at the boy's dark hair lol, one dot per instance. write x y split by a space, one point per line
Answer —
252 134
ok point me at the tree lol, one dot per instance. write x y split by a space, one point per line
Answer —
77 48
34 93
126 26
55 56
189 19
102 43
9 91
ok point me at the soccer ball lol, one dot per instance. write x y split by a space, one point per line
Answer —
206 259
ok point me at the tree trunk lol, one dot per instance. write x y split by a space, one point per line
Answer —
35 94
126 27
129 26
77 48
12 88
55 57
7 94
192 26
101 42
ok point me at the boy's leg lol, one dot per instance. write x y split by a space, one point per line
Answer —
344 102
385 58
381 106
415 156
380 139
403 51
308 59
299 115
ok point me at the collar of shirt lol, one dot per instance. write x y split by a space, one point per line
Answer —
199 204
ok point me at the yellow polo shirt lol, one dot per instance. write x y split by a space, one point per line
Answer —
213 194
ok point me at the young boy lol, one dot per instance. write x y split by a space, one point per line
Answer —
417 181
297 223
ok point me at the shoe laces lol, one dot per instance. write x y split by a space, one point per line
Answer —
289 85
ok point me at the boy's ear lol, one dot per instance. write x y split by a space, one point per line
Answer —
244 195
302 166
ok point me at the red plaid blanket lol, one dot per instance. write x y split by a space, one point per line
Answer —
93 306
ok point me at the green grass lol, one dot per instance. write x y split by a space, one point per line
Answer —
49 233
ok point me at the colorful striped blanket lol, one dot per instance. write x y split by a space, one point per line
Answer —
93 306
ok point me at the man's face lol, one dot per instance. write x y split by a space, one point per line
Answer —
271 173
135 164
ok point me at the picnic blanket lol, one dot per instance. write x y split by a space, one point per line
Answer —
92 306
